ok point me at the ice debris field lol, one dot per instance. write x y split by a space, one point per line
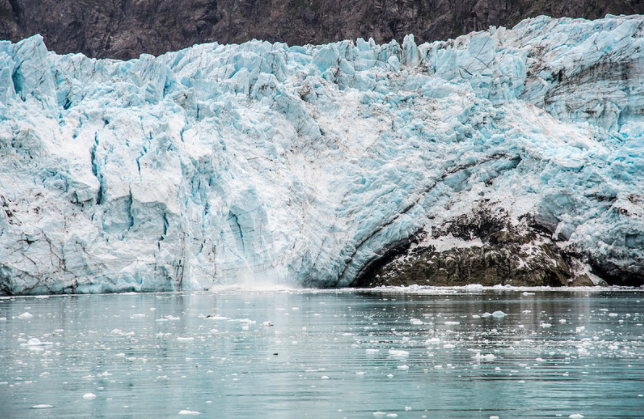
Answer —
223 164
329 353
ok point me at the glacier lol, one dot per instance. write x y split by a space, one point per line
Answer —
301 165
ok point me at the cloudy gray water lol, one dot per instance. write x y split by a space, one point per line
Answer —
353 354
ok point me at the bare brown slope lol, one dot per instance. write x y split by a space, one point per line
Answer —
127 28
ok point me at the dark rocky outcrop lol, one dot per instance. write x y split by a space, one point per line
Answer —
126 28
502 255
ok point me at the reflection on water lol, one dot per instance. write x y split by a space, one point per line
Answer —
353 354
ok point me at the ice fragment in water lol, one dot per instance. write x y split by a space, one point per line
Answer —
89 396
484 357
498 314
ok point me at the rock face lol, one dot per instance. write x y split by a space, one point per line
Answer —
479 248
521 149
126 28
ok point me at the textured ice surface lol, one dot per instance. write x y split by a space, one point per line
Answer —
219 165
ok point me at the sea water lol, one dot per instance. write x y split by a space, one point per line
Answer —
407 353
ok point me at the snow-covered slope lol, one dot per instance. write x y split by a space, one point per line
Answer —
221 164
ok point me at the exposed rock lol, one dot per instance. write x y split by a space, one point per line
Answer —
126 28
487 250
582 281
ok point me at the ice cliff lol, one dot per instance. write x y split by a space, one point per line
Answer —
220 164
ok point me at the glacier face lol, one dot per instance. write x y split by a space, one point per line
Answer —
223 164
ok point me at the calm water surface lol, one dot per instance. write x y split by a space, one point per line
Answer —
348 354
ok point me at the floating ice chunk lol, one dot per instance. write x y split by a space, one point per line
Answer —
398 353
416 321
26 316
3 319
452 323
484 357
576 416
324 377
432 341
137 316
476 316
545 325
36 342
613 314
185 339
486 314
372 351
498 314
392 415
449 346
42 406
379 414
403 367
89 396
473 287
189 412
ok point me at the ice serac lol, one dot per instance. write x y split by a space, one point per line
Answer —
223 164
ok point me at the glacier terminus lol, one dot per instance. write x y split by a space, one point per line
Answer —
315 165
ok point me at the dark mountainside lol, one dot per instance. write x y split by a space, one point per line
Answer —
126 28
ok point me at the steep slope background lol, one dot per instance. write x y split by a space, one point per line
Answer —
126 28
315 165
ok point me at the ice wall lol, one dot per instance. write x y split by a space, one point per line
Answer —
222 164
